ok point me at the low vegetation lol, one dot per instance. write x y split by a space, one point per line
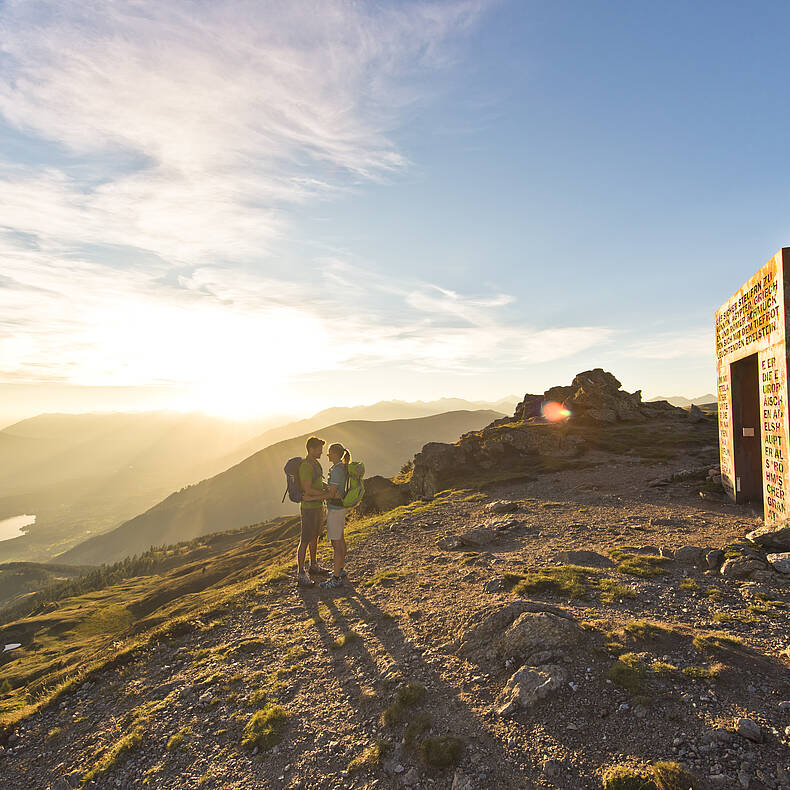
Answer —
371 757
442 751
643 565
264 728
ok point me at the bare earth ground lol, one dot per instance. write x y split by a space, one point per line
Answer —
334 695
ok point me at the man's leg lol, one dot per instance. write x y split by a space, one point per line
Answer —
314 551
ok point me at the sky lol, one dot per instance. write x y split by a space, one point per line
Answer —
258 207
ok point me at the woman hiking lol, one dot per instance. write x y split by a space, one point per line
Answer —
336 513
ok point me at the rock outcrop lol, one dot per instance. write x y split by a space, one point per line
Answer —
593 397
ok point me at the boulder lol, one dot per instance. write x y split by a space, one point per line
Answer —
477 537
741 567
714 558
528 686
780 562
431 466
749 729
381 495
537 631
501 506
487 628
775 537
585 558
690 555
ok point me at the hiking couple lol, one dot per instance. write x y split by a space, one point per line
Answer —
314 494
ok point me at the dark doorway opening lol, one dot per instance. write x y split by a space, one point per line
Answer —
745 379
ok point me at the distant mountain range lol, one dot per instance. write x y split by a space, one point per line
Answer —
684 403
383 410
252 490
84 474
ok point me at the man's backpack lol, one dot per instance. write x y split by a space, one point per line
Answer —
292 488
355 485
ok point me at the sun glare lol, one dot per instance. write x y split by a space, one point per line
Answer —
232 364
554 412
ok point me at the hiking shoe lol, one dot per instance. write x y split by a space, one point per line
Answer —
331 583
303 580
317 570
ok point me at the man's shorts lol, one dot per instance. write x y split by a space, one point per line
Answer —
312 521
335 522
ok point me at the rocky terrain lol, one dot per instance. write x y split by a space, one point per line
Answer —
585 612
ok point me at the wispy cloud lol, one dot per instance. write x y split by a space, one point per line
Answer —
217 119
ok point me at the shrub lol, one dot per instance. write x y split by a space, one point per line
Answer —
441 751
371 756
264 728
625 777
626 674
671 776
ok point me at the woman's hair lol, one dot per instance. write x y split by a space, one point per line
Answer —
337 447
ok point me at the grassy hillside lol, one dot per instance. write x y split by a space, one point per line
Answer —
85 473
252 490
20 579
101 619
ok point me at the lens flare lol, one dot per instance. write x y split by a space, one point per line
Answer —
554 412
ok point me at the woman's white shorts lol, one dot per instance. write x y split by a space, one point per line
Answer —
335 522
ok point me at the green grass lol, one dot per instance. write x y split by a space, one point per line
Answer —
716 641
644 630
626 777
371 757
671 776
628 672
663 669
645 566
714 593
385 576
111 756
258 698
178 738
612 590
264 728
703 673
408 696
442 751
345 639
688 584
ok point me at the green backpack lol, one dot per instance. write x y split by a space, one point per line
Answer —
355 485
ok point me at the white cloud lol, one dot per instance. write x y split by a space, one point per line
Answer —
187 133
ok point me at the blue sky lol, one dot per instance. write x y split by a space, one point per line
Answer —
255 206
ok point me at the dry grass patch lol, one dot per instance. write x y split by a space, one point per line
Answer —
264 728
442 751
372 756
345 639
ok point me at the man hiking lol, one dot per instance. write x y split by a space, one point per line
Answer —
311 482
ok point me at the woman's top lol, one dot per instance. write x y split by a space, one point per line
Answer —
337 476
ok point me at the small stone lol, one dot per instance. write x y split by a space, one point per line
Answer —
784 706
587 559
411 778
501 506
399 769
749 729
551 767
493 585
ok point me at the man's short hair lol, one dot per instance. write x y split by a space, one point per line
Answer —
314 441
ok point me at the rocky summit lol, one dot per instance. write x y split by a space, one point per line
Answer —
571 605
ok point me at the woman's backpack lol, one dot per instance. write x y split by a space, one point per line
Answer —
355 485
